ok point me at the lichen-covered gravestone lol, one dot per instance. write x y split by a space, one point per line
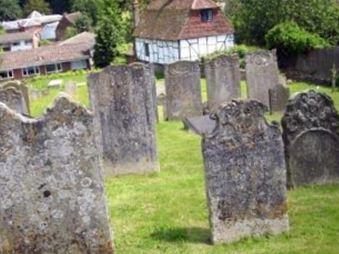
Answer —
20 86
124 100
262 74
52 191
245 174
222 80
14 99
183 91
311 136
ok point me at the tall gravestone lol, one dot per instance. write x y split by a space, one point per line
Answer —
14 99
52 190
262 74
183 91
223 80
311 136
123 100
20 86
245 174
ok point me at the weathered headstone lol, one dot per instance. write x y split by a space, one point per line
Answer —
262 74
245 174
124 102
201 125
311 136
222 80
52 191
278 97
14 100
183 91
20 86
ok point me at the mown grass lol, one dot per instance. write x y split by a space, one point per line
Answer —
167 212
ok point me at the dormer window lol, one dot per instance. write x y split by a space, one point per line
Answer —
206 15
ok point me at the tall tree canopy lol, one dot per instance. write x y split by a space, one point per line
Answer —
9 10
36 5
254 18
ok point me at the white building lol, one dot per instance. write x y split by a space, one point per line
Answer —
168 31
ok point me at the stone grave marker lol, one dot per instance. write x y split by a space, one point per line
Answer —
245 174
14 99
124 101
201 125
311 136
223 80
183 91
262 74
52 190
20 86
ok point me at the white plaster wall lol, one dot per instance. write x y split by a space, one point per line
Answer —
22 46
164 52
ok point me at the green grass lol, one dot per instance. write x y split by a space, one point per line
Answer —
167 212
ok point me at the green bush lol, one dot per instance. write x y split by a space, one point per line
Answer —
288 38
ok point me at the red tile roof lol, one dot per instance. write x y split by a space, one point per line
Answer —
180 19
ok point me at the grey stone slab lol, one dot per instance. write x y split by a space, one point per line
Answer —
245 174
183 91
201 125
262 74
311 137
52 190
20 86
14 99
124 103
222 80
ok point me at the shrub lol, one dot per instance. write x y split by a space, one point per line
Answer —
288 38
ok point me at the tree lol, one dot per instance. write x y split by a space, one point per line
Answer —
108 35
37 5
9 10
254 18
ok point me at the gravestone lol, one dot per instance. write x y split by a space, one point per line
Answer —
52 190
124 100
201 125
20 86
311 136
245 174
183 91
278 96
222 80
262 74
14 100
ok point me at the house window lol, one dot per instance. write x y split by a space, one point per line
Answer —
30 71
52 68
147 49
6 75
206 15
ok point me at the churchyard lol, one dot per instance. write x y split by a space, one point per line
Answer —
166 211
163 183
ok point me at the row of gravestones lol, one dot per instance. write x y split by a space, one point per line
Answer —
52 194
183 91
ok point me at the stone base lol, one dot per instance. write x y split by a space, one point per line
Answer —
141 167
231 232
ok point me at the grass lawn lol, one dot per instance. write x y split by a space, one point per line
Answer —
167 212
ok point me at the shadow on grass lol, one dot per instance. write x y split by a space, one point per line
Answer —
192 235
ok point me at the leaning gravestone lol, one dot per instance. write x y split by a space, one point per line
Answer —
13 99
262 74
183 91
245 174
52 191
223 80
124 102
20 86
311 136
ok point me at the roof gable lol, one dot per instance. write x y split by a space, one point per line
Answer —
179 19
